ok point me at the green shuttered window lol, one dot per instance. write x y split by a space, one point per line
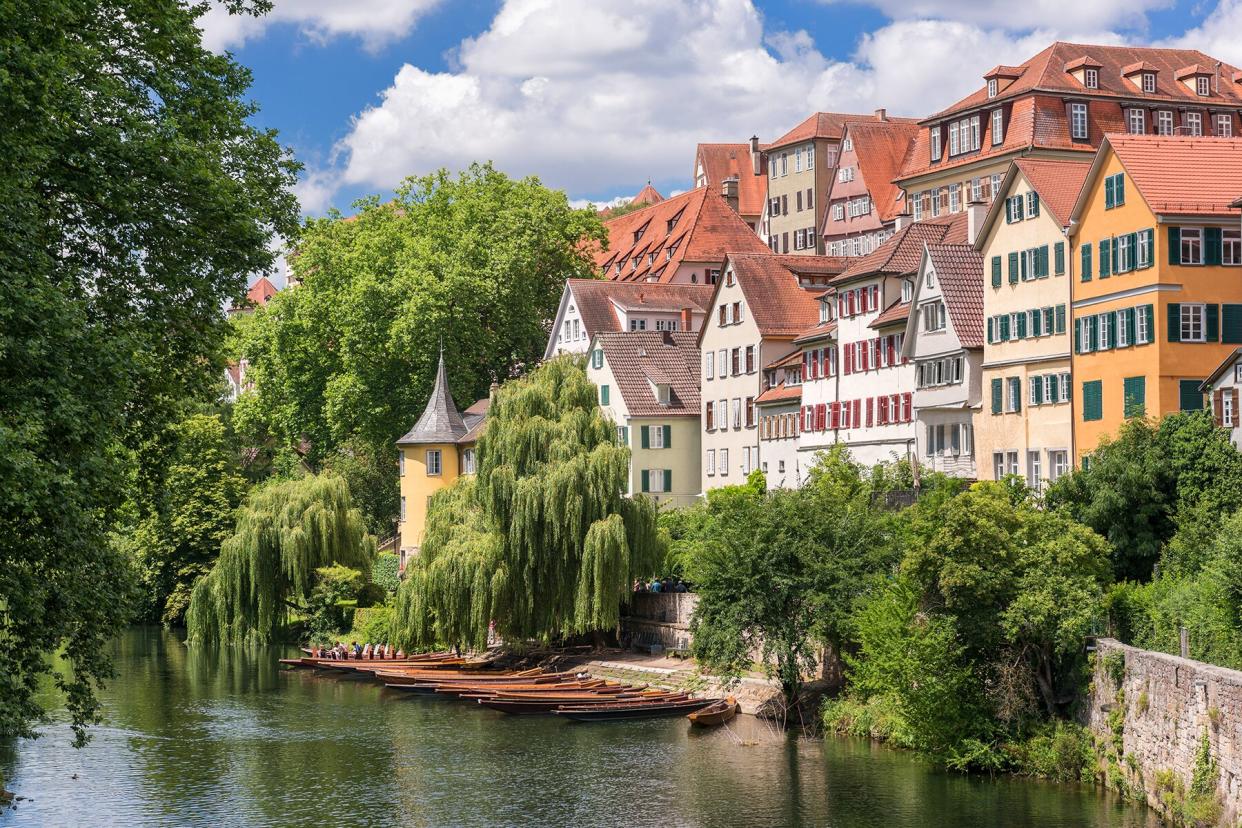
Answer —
668 437
1175 322
603 395
1231 324
1189 396
996 271
1106 247
1175 245
1013 268
1092 400
1135 391
1211 245
1086 262
1058 258
997 395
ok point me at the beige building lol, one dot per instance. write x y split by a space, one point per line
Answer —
1025 425
760 305
649 386
593 306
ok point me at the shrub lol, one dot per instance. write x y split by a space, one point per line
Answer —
1115 667
373 625
1061 752
386 572
329 610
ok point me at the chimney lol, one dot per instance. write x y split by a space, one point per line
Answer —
728 188
976 211
687 320
756 157
881 114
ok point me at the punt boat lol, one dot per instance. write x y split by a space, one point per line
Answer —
632 710
714 714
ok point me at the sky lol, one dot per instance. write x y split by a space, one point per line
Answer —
596 97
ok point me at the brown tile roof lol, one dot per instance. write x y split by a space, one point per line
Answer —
794 358
959 271
1183 175
1035 100
697 226
779 393
903 252
641 357
780 304
1057 183
647 195
820 330
826 125
896 313
881 147
721 161
595 298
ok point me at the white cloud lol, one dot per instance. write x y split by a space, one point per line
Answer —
375 22
1218 34
1082 15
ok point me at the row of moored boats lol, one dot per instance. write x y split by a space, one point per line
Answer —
572 695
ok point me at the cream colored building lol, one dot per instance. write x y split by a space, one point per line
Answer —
1025 424
649 387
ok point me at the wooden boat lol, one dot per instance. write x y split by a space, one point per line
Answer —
631 710
449 678
522 707
714 714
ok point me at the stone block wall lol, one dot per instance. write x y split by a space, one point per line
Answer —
1166 705
660 618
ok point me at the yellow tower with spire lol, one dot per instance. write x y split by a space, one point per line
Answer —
432 455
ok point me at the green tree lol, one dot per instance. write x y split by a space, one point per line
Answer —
136 197
189 514
544 541
326 607
477 262
286 533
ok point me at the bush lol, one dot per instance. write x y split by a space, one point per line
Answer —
329 607
1061 752
386 572
373 625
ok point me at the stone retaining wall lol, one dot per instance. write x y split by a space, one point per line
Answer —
660 618
1166 705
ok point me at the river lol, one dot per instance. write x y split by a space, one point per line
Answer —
193 738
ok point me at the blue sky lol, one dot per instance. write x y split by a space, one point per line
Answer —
597 96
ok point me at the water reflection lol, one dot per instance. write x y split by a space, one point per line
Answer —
203 738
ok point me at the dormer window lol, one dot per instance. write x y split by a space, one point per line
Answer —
992 87
1203 86
668 254
664 394
825 310
638 234
1149 82
907 289
935 143
1091 78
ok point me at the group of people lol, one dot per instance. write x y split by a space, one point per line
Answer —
661 585
340 652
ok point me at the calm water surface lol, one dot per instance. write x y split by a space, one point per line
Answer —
200 739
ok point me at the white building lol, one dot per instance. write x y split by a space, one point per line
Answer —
944 339
1221 388
593 306
778 408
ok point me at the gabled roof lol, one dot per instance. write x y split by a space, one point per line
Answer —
598 299
881 147
257 295
779 303
779 393
794 358
440 422
903 252
1057 182
1176 175
647 195
820 330
697 226
1220 370
721 161
896 313
959 272
640 358
825 125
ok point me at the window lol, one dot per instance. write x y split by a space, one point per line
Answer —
1164 122
998 126
998 465
1231 246
724 462
1192 245
976 189
1226 410
992 87
1058 464
1144 249
1011 460
1034 472
935 143
798 162
933 316
710 465
722 363
750 359
907 290
1189 396
996 184
1142 325
638 324
810 157
467 461
1125 254
735 361
403 508
1078 120
603 395
434 465
955 198
1224 125
1138 121
668 324
1134 396
1194 123
1013 396
1092 401
1192 328
1149 82
838 212
1091 78
655 436
974 134
784 163
1203 86
737 412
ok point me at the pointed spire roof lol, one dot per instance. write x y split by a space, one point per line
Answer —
440 423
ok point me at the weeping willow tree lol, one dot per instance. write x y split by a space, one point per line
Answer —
544 540
284 534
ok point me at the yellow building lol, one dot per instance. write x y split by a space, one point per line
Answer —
1025 425
1157 300
432 455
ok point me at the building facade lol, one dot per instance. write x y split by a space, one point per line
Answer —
739 173
649 387
1220 390
863 201
1025 425
592 306
777 408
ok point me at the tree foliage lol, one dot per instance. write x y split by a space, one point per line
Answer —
477 262
136 197
285 533
544 541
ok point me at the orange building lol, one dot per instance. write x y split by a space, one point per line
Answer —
1157 288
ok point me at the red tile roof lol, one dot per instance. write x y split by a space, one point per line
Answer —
639 358
1057 183
826 125
721 161
780 304
596 297
819 330
1183 175
881 147
257 295
903 252
1035 105
780 393
647 195
896 313
794 358
959 272
696 226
